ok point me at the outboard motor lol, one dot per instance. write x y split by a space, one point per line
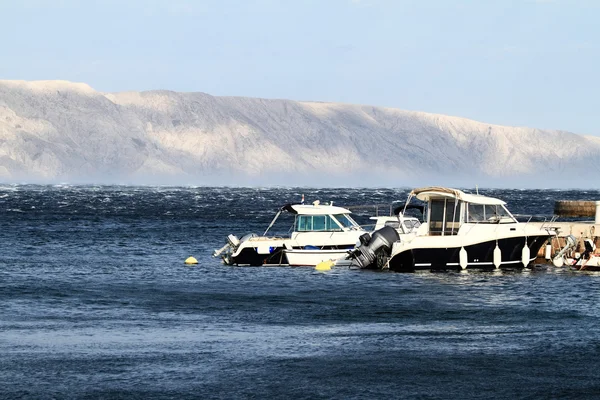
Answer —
231 247
374 250
589 248
559 259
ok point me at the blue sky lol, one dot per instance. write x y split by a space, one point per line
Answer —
522 62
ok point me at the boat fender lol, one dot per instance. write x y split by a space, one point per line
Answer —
558 262
525 255
264 249
548 252
462 258
497 256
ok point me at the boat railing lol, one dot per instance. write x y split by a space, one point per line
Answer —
263 238
546 220
381 210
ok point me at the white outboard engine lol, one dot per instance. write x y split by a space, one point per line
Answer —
374 250
233 243
570 243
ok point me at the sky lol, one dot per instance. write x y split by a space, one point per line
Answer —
531 63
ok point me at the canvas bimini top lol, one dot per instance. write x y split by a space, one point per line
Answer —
436 192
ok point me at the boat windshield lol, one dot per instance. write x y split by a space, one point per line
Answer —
345 220
393 224
411 224
493 214
310 223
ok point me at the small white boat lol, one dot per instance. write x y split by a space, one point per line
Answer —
320 232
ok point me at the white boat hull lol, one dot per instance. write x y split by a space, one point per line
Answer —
314 257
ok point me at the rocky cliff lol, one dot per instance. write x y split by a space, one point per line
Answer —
62 131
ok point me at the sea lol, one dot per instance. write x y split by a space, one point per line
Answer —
97 303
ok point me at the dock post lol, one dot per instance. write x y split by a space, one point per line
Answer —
597 218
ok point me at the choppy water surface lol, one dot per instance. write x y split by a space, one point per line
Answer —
95 302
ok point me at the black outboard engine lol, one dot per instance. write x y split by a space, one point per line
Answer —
374 250
589 248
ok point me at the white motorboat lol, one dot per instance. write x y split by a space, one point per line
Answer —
320 232
461 231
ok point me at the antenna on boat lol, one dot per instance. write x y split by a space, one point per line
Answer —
476 189
272 222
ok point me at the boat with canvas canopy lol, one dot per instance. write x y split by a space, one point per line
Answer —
461 230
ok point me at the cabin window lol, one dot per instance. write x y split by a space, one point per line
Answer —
393 224
305 223
312 223
345 220
476 213
319 223
436 216
444 217
491 214
452 220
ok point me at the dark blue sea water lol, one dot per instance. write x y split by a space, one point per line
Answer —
95 302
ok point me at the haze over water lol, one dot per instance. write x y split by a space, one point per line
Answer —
97 303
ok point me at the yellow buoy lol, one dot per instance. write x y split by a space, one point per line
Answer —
191 260
324 265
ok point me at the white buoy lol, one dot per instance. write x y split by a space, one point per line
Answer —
497 256
548 252
525 255
462 258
